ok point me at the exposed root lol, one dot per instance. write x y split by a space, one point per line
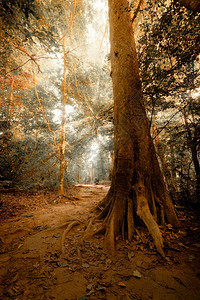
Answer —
62 225
145 215
162 213
91 229
119 220
90 223
104 205
154 210
130 220
117 212
66 231
104 211
109 240
100 230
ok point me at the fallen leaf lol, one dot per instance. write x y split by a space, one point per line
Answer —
57 235
197 245
184 233
89 287
167 259
121 284
41 228
19 246
182 245
192 257
28 215
137 274
104 283
90 292
169 226
62 264
85 266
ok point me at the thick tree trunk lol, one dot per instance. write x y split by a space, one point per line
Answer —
138 187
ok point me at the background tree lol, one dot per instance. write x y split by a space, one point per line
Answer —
168 51
40 32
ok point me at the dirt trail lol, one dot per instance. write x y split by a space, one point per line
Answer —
37 263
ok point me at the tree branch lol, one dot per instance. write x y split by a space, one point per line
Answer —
136 11
24 51
170 120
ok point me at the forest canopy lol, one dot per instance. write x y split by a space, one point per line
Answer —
56 95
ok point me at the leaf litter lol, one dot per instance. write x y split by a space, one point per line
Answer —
32 263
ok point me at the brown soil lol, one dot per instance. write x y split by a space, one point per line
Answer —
45 255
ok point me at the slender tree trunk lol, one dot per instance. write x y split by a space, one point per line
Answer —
173 165
11 105
63 123
65 93
164 167
137 188
192 143
62 154
91 174
79 174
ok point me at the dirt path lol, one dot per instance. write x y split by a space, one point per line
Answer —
38 262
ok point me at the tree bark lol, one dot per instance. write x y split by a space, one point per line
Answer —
138 189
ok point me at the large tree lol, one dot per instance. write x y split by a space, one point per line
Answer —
138 191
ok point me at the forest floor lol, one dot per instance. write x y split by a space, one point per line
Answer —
43 254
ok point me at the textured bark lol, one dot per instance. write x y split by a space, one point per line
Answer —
135 161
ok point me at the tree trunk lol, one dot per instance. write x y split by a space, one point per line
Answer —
63 123
192 143
91 176
171 186
62 154
137 188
